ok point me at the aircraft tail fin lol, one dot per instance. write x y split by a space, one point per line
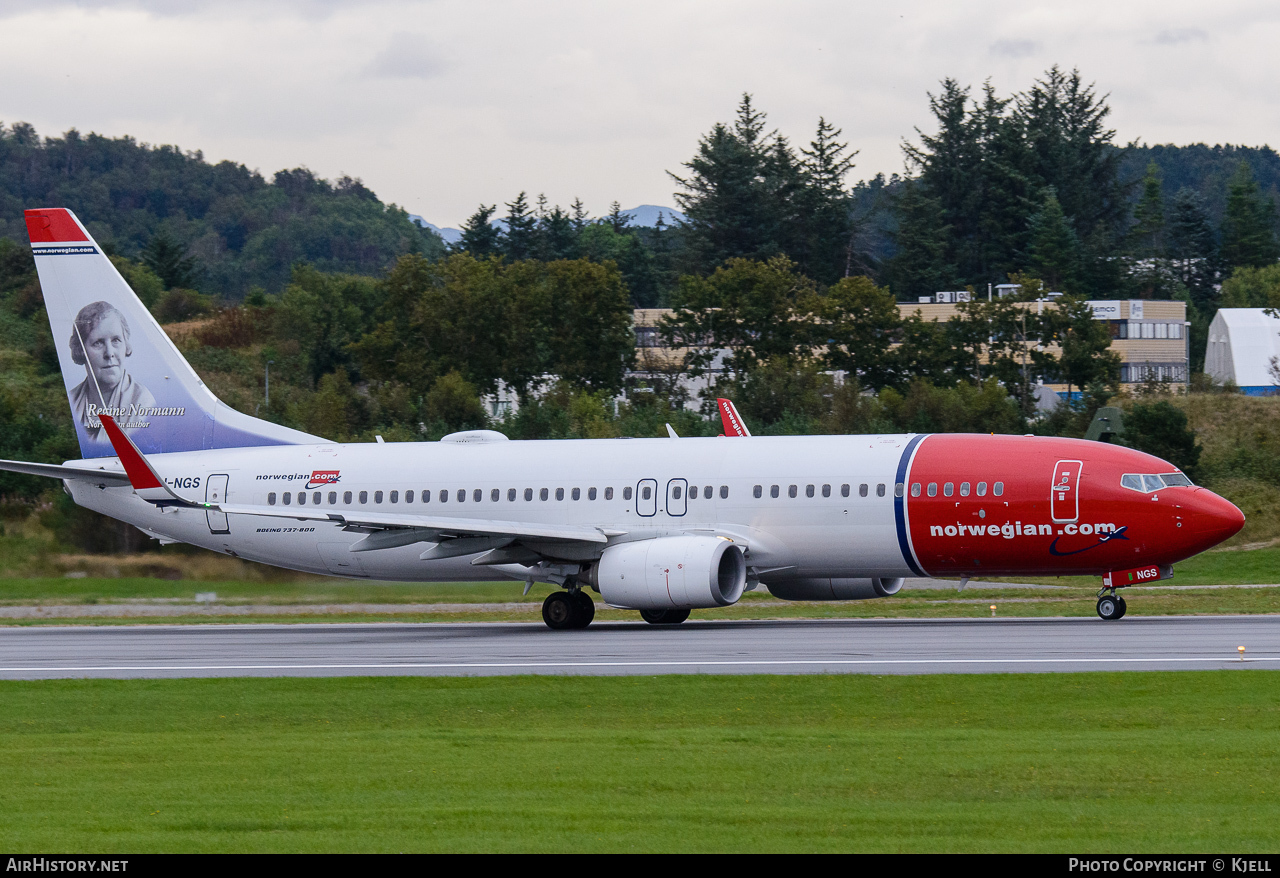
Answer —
116 360
732 421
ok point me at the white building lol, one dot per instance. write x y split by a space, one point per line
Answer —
1242 345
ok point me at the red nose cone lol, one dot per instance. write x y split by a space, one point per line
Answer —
1213 519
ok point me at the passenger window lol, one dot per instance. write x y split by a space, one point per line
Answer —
462 495
408 496
377 496
706 492
757 492
495 495
286 498
543 494
808 490
1153 483
302 498
395 496
315 498
964 489
982 489
647 492
915 489
675 492
626 493
998 489
932 490
693 492
477 495
591 493
948 489
773 491
271 499
426 496
608 493
791 491
511 495
826 490
724 492
528 494
559 493
1131 481
364 496
346 497
577 494
844 490
897 489
333 498
444 495
880 490
863 490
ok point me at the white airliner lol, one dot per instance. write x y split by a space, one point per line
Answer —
656 525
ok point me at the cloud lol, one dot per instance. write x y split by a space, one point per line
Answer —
407 56
1015 48
1176 36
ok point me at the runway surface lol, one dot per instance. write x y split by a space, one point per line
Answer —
797 646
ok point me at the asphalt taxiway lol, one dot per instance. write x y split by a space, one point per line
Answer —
796 646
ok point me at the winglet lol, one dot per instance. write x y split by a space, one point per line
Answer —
146 482
733 425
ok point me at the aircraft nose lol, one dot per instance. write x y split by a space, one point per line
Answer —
1213 519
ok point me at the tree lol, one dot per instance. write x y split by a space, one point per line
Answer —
1055 248
1160 428
1086 358
1252 288
920 266
520 239
480 237
1192 248
1147 236
860 322
824 248
170 262
754 309
1249 226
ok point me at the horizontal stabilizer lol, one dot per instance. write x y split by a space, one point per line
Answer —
104 477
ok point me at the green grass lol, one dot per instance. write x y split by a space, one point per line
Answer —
1097 762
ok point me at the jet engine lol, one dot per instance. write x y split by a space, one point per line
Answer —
670 572
823 589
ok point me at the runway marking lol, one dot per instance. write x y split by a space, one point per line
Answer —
636 664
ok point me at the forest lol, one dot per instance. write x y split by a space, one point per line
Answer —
371 325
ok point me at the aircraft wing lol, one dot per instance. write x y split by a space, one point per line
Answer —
407 528
105 477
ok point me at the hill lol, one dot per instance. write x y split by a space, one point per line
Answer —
243 229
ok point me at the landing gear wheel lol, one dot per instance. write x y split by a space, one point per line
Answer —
664 617
1110 607
560 611
585 608
1124 608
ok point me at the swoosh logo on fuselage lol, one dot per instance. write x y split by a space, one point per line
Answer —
1117 534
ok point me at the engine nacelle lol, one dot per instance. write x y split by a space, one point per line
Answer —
670 572
824 589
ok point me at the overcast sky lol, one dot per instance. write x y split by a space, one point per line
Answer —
439 106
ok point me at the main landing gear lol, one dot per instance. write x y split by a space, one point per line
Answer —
664 617
1110 605
564 610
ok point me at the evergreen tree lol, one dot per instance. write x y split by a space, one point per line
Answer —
579 216
1192 248
920 266
170 262
1249 226
825 211
619 220
1148 232
1055 249
556 236
520 240
479 236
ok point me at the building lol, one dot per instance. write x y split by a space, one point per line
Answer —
1151 337
1244 344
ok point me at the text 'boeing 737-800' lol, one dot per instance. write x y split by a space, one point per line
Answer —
662 526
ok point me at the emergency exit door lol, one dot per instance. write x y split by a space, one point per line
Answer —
1064 495
215 491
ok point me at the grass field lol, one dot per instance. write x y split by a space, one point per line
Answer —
1073 763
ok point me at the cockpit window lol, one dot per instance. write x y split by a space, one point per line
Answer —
1147 483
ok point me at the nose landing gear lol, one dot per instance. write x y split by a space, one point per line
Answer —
1111 606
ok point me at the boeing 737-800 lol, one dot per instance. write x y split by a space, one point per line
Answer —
662 526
